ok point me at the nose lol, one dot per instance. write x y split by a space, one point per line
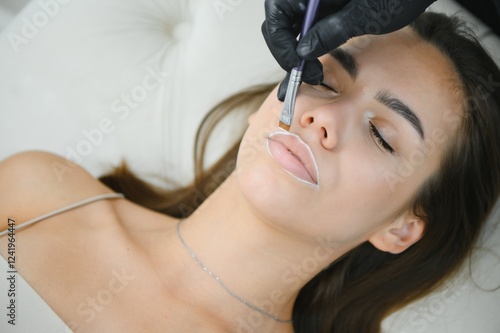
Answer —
325 124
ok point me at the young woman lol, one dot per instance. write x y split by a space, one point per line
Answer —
374 197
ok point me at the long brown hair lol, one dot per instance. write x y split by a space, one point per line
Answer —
181 202
364 286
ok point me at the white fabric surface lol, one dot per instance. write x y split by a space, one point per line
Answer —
67 67
5 17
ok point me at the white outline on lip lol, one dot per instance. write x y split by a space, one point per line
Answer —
281 131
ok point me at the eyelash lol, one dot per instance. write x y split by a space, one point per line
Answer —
328 87
381 142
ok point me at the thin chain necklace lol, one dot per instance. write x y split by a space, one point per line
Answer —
219 281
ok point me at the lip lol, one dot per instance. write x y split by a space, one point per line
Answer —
294 156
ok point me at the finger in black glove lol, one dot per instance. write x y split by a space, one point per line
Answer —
356 18
336 22
310 75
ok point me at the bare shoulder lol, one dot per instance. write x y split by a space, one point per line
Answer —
34 183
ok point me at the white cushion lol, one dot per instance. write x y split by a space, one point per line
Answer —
100 81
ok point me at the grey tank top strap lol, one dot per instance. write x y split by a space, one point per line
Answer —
66 208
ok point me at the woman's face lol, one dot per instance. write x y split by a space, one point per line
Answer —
375 137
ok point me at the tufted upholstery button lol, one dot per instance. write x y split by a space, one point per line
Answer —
181 30
99 64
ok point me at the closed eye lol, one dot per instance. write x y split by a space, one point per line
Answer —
328 87
380 140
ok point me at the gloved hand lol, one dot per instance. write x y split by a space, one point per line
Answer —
336 22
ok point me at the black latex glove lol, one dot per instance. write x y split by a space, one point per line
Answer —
336 22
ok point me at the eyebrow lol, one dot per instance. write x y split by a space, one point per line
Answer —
401 109
347 60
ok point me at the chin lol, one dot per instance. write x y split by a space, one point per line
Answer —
271 196
258 186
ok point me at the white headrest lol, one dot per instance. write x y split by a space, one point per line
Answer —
101 81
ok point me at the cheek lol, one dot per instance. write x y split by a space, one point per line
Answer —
359 202
271 105
263 187
253 170
261 123
251 118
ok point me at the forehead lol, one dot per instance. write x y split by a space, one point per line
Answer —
402 54
413 70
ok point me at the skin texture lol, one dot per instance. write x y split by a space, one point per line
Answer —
264 233
336 128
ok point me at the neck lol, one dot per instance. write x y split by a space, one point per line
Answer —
255 260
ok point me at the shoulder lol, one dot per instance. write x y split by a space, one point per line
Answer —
35 183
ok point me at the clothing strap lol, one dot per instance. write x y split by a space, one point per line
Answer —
65 209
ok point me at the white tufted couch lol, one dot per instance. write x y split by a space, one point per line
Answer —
99 81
